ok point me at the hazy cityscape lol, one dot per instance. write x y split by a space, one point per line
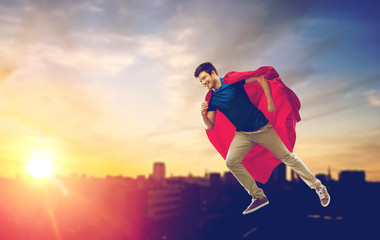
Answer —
100 129
209 207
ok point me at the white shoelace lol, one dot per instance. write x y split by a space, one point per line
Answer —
321 193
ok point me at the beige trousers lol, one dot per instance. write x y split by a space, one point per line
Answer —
266 136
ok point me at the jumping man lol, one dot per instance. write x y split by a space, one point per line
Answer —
242 122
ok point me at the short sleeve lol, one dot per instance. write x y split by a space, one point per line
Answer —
211 107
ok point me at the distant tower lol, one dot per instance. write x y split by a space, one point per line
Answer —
329 174
159 171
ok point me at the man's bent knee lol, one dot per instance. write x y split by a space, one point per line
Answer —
232 163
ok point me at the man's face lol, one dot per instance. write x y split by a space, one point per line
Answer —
206 79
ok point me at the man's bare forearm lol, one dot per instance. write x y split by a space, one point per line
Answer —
207 123
264 84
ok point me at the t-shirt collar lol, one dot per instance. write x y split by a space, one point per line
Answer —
221 81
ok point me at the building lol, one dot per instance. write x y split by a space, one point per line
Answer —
352 177
158 171
164 203
141 181
215 179
322 177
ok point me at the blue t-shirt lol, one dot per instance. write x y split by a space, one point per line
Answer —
233 101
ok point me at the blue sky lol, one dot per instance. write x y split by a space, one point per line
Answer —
108 86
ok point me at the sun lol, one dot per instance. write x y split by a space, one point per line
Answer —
39 168
39 165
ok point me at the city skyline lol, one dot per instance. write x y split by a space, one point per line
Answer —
107 88
77 207
159 174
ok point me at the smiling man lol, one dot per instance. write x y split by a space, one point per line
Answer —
234 122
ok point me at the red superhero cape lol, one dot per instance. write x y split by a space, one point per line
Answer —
259 162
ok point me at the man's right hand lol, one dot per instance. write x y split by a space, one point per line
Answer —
204 108
208 117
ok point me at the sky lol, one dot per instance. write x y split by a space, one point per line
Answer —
107 88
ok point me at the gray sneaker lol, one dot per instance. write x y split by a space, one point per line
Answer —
256 204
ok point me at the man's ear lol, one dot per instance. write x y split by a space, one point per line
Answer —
213 74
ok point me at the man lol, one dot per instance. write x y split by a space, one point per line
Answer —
236 117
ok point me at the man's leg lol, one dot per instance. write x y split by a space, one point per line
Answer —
268 138
239 148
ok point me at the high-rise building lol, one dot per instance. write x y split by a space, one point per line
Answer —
352 177
215 179
158 171
322 177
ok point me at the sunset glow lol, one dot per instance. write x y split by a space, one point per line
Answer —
40 164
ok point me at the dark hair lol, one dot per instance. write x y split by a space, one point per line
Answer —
207 67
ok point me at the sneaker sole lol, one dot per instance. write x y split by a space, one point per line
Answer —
256 208
328 202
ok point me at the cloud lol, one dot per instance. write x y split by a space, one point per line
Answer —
5 72
336 95
373 97
157 47
99 61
